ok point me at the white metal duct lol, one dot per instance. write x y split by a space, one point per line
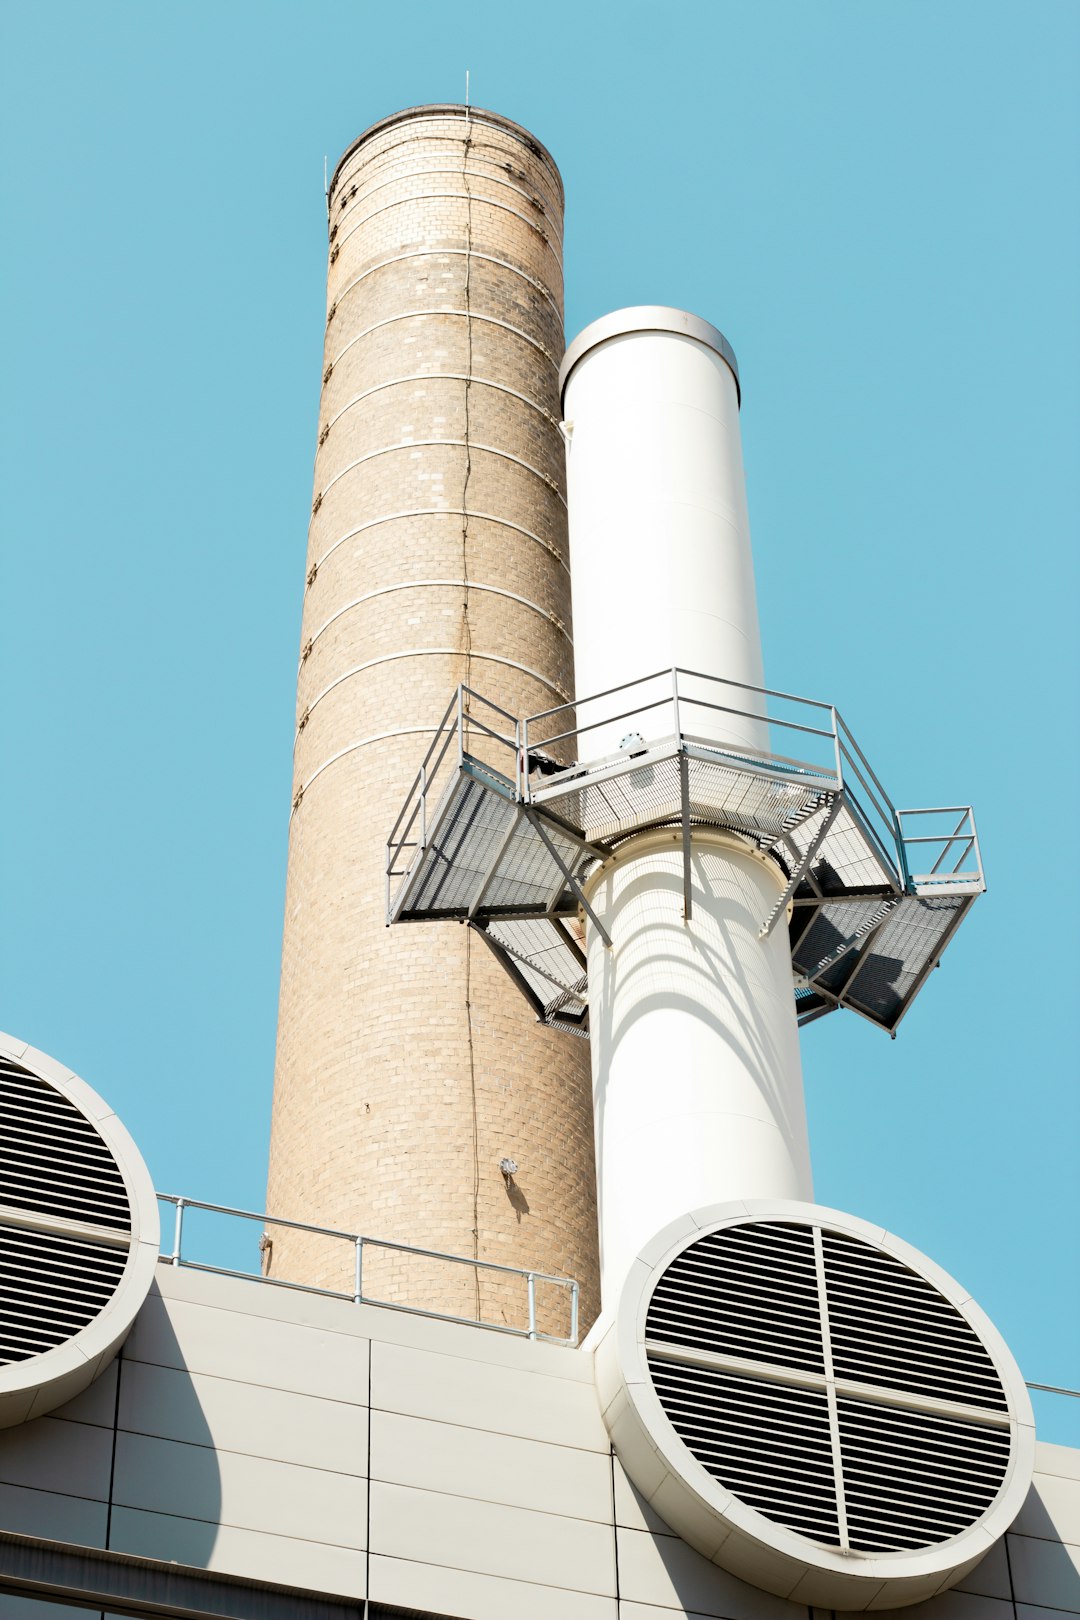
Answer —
814 1405
78 1233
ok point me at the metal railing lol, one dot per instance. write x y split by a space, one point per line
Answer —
362 1247
529 757
676 698
677 703
468 715
871 804
943 852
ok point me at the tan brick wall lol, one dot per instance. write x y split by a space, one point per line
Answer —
408 1065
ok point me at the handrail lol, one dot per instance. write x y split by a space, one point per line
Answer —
360 1242
694 674
967 864
415 783
488 703
691 696
842 725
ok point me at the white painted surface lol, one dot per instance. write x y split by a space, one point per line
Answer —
550 1549
492 1491
31 1388
697 1082
659 534
490 1467
317 1566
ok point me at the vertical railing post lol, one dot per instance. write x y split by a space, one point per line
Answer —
532 1305
523 753
423 806
975 850
178 1231
836 746
901 850
358 1272
574 1292
675 704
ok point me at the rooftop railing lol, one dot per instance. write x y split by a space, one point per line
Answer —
534 1299
175 1256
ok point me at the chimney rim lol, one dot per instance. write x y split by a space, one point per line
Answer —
451 109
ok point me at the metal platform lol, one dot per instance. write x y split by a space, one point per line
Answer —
505 819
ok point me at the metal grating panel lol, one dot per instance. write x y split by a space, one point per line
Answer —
50 1288
847 859
875 970
828 930
907 948
888 1433
625 797
554 973
52 1159
466 838
482 846
620 800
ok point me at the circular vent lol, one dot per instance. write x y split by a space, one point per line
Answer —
854 1423
78 1233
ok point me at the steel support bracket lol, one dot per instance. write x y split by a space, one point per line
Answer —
803 867
684 795
575 886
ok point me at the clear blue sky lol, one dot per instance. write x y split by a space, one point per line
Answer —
877 203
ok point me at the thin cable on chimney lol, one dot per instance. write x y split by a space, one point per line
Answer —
466 629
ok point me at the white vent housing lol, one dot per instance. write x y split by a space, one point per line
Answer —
814 1405
79 1233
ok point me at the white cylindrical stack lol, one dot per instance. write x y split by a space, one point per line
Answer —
696 1078
659 534
697 1084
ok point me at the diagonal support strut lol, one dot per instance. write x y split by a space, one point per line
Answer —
569 876
803 867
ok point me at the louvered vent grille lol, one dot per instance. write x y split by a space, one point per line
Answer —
52 1159
50 1288
874 1418
745 1291
912 1478
769 1443
891 1327
57 1176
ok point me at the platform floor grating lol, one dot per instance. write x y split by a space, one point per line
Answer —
879 975
609 801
